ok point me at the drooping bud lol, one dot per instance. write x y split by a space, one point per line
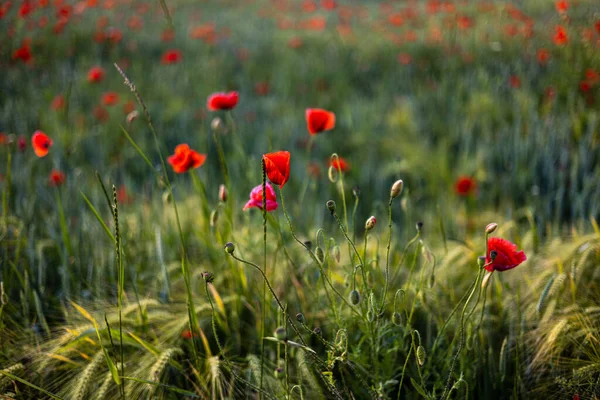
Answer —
370 224
319 254
300 318
280 333
216 124
491 228
337 254
397 318
421 355
481 261
356 191
354 297
222 193
214 216
419 226
396 188
132 116
331 206
229 247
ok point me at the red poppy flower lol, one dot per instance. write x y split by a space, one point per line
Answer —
507 256
543 56
171 57
222 101
100 113
256 198
26 9
319 120
58 102
340 164
56 178
23 53
465 186
3 138
277 166
187 334
110 98
560 36
41 143
515 81
562 6
185 158
95 74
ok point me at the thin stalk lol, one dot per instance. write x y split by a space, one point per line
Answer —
121 281
387 257
264 297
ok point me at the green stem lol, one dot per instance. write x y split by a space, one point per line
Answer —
264 297
387 257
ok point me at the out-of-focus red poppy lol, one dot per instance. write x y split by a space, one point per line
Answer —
57 178
597 26
507 256
110 98
222 101
515 81
309 6
187 334
404 58
122 196
100 114
95 75
340 164
41 143
319 120
22 143
135 23
543 55
277 167
167 35
185 159
256 198
171 57
26 8
464 22
128 107
3 138
328 5
114 35
204 31
313 169
592 76
58 102
261 88
465 186
562 6
584 86
295 43
23 53
560 35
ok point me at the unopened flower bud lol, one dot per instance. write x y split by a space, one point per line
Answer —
331 206
222 193
337 254
354 297
216 124
370 316
421 355
356 191
370 224
279 373
419 226
317 331
209 277
132 116
300 318
396 188
397 318
280 333
319 254
481 261
491 228
229 247
214 216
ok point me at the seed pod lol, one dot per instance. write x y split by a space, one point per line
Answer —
317 331
419 226
331 206
421 355
300 318
229 247
396 189
209 277
481 261
356 191
279 373
354 297
280 333
493 255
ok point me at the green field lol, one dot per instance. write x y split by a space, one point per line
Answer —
132 270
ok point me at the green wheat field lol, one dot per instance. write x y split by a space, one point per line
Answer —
299 199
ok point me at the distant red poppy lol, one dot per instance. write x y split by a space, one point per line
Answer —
114 35
319 120
584 86
23 53
187 334
295 42
515 82
562 6
185 159
507 256
41 143
22 143
128 107
340 164
171 57
56 178
543 56
58 102
122 196
110 98
167 35
26 8
560 35
261 88
256 198
404 58
95 75
328 4
597 26
465 186
3 138
277 166
222 101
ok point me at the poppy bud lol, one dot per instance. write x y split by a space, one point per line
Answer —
279 373
166 197
397 318
308 244
331 206
300 318
332 173
421 355
396 189
132 116
337 254
419 226
216 124
229 247
222 193
214 216
317 331
354 297
370 224
491 228
493 255
209 277
319 254
481 261
280 333
356 191
370 316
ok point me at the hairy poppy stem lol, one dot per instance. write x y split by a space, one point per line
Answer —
264 298
387 257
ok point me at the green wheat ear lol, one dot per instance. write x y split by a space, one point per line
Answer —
85 379
159 366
